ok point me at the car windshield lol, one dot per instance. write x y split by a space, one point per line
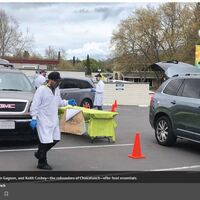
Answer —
14 82
32 79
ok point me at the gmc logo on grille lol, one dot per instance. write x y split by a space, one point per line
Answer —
9 106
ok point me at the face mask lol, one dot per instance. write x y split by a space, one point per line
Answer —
56 83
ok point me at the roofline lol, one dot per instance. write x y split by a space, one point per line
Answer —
32 61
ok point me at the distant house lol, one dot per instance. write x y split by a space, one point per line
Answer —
136 76
158 72
31 63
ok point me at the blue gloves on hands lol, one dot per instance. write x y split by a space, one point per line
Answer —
33 123
93 90
72 102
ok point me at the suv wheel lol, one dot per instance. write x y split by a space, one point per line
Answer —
87 103
163 132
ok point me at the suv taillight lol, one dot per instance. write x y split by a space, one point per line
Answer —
151 99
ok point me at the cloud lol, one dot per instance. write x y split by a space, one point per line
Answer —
75 27
109 12
94 49
101 9
82 11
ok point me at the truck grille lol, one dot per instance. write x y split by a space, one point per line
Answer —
6 106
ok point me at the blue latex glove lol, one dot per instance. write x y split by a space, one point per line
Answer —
33 123
72 102
93 90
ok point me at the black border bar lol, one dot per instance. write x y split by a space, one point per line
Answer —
100 176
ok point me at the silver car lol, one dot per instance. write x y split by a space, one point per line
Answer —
75 88
78 89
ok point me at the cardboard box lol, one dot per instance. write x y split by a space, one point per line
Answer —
74 125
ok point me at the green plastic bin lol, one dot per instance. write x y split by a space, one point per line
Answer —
100 123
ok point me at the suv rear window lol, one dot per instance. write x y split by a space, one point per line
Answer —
191 88
173 86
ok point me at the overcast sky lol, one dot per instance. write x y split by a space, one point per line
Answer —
79 28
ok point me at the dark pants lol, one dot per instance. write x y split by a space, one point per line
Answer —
43 149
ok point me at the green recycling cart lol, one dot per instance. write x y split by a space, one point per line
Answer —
100 123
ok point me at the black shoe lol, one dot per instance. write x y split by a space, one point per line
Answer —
44 166
36 154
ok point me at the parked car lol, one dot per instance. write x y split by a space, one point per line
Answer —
175 110
16 93
75 88
171 68
6 63
78 89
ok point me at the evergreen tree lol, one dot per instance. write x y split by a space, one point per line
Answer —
88 69
26 54
74 61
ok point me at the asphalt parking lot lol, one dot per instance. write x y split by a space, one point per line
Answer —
77 153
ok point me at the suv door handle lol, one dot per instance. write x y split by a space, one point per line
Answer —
173 102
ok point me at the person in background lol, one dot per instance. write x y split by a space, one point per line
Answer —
41 79
99 92
44 112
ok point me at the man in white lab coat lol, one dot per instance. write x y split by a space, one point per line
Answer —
41 79
44 112
99 92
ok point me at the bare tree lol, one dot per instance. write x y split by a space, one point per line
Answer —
176 21
51 53
25 43
12 41
151 35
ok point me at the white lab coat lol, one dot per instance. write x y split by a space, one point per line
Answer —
40 80
98 100
44 109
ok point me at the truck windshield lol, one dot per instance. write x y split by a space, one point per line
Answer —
14 82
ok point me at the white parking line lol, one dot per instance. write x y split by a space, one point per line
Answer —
102 146
129 109
176 168
74 147
124 109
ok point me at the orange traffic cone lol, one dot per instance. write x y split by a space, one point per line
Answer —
137 154
114 106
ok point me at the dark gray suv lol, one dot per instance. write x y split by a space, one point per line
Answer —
175 110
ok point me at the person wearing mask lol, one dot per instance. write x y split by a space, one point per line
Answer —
99 92
41 79
44 112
